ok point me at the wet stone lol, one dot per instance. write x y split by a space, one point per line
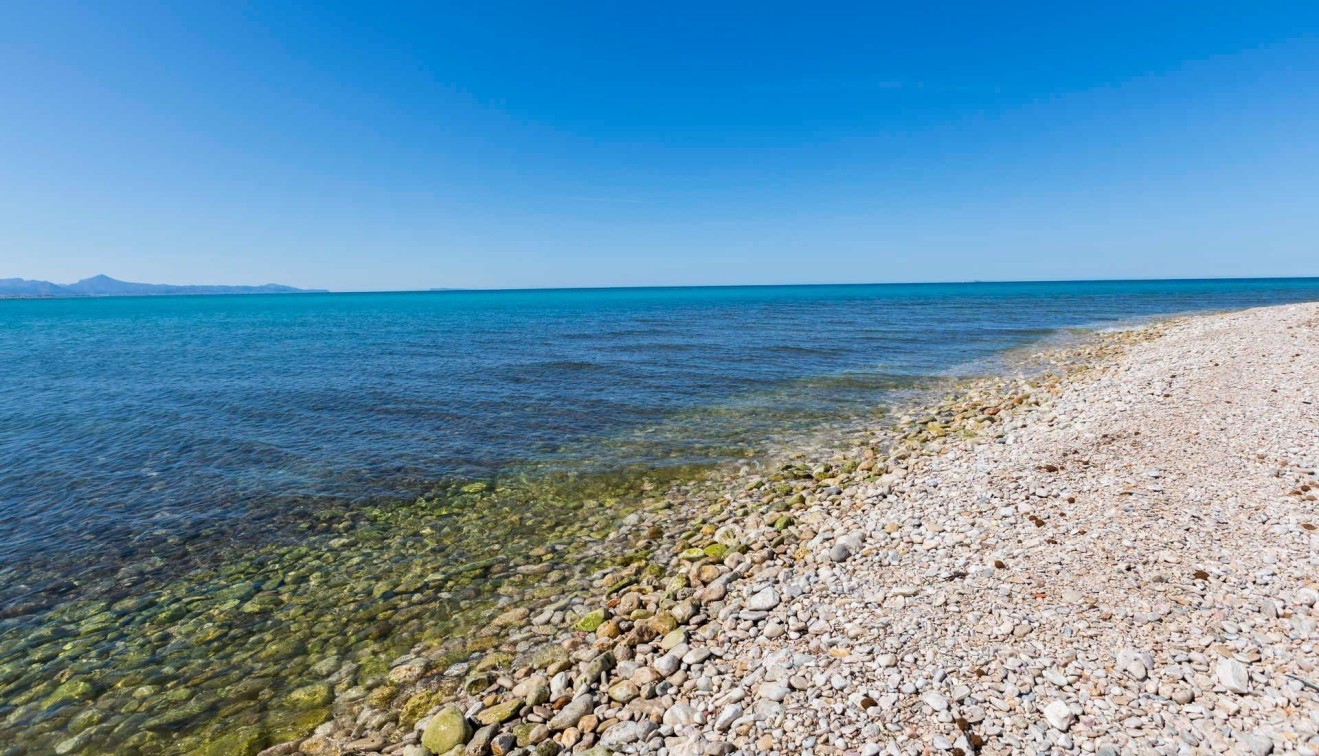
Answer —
446 730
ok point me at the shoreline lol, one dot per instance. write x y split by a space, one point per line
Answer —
685 520
674 572
634 670
226 628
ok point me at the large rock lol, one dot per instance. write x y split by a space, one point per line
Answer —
446 730
595 668
679 714
537 691
1234 676
764 600
623 691
479 745
726 717
1059 715
499 713
591 621
503 743
673 639
571 714
668 664
624 733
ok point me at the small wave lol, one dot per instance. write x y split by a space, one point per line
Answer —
803 350
859 381
567 365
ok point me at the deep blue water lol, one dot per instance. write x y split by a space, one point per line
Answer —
120 417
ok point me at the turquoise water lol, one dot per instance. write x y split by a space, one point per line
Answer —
197 493
125 421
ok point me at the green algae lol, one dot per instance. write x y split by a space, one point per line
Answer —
591 621
253 647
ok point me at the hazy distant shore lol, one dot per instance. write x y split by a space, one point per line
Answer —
104 286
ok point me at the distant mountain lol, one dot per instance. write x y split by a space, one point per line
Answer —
105 286
21 287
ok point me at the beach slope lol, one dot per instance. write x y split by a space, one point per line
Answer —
1117 559
1132 569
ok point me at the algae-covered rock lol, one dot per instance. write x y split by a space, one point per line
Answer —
549 655
243 741
380 697
664 622
483 643
446 730
716 551
492 660
591 622
512 617
676 584
417 705
499 713
175 717
523 732
546 748
284 648
76 689
86 718
477 682
309 696
262 602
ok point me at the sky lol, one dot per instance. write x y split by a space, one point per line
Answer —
385 146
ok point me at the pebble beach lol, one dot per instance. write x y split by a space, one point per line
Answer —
1115 554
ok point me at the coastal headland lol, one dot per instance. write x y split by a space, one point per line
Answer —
1116 555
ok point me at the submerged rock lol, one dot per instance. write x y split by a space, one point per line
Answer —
446 730
309 696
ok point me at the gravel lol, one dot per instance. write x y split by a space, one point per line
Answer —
1118 555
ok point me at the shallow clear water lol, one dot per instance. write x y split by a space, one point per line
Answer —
154 416
120 417
143 439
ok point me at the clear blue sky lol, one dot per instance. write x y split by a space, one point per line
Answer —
385 146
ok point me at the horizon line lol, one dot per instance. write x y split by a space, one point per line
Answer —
456 290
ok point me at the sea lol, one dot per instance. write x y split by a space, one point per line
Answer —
187 482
